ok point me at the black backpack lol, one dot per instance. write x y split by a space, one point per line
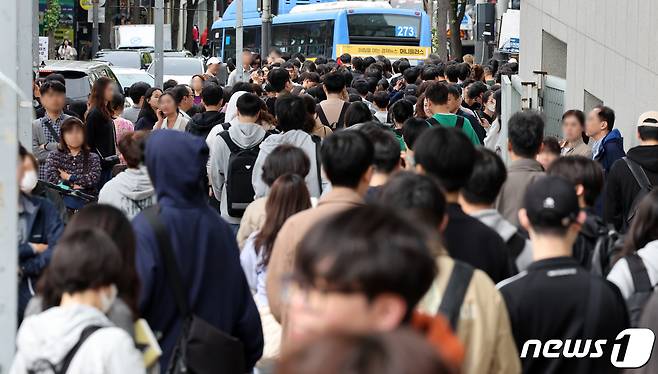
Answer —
609 243
45 366
453 297
340 123
642 181
458 125
239 190
642 285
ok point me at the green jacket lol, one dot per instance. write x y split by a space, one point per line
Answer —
450 120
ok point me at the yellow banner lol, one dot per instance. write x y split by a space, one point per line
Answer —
390 51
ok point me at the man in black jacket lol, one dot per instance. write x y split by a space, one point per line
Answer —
622 187
212 96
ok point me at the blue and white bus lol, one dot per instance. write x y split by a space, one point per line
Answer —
330 29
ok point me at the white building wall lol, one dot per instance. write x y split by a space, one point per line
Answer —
612 52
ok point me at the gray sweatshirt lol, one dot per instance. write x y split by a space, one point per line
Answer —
244 135
130 191
621 276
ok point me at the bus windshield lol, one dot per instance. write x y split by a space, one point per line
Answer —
383 26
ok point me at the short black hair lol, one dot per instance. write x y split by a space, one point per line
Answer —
525 133
212 94
455 90
648 132
358 64
248 104
437 93
464 71
285 159
56 77
551 145
580 170
138 90
361 86
118 100
447 154
179 92
452 73
346 157
345 58
169 84
334 82
401 111
386 145
311 76
52 85
476 89
411 130
290 113
357 112
243 86
380 99
371 250
487 178
430 73
278 77
411 74
419 195
606 113
403 65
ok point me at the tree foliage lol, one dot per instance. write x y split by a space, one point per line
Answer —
51 16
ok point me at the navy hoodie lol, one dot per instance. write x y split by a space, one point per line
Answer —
206 250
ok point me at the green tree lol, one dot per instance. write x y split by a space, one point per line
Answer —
51 19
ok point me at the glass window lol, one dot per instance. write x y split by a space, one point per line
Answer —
383 26
250 40
311 39
182 66
121 59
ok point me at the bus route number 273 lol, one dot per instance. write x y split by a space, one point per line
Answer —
405 31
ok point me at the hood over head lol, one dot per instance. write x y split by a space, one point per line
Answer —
176 162
232 106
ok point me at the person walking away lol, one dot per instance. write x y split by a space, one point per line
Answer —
455 100
331 112
74 164
633 176
437 97
75 336
575 140
347 161
607 142
137 94
466 238
636 272
39 229
288 196
525 135
387 160
543 300
46 130
149 114
131 191
203 246
213 100
380 101
121 125
169 115
477 199
279 79
234 150
100 131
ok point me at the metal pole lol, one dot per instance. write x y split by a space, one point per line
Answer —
266 30
94 30
24 67
238 40
159 42
8 182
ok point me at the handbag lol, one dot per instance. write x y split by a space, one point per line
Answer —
201 348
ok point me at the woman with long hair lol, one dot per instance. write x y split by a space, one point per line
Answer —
73 163
101 137
122 126
288 196
148 116
170 117
575 140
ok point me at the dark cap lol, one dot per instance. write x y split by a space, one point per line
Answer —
410 90
551 202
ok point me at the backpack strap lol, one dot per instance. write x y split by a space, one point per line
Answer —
515 245
638 173
51 129
341 117
318 163
641 281
453 297
321 115
460 122
86 333
229 142
226 125
174 278
433 122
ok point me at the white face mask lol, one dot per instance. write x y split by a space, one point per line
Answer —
491 107
29 181
108 299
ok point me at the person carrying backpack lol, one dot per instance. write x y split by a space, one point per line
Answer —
440 102
232 161
636 273
331 112
632 177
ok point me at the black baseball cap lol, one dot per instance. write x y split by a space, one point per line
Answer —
410 90
551 202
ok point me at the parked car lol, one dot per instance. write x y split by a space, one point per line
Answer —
125 58
180 69
127 77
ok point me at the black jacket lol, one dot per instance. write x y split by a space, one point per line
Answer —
589 234
202 123
621 187
100 135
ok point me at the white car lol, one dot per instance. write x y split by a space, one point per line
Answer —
128 76
180 69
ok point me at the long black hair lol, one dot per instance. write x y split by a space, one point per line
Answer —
644 228
146 110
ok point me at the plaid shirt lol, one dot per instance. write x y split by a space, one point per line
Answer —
50 137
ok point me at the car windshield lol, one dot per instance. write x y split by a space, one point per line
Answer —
128 79
121 59
78 88
182 66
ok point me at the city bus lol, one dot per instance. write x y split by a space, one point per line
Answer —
330 29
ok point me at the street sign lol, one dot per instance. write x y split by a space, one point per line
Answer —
43 48
101 15
87 4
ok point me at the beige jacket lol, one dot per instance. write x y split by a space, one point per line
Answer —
484 325
578 148
520 173
293 231
252 220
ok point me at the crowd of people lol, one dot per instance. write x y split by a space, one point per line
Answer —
329 216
